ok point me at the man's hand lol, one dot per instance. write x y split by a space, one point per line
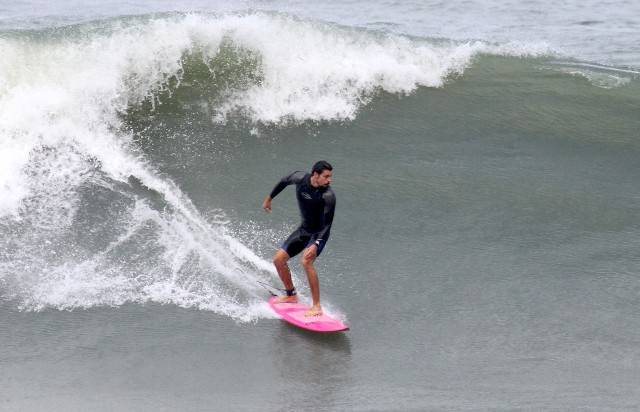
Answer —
311 252
266 205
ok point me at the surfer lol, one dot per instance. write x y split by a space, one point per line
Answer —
317 203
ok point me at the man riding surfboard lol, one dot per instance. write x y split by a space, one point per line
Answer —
317 203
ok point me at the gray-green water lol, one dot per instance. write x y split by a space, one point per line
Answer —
485 249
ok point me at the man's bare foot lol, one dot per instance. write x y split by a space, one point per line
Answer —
287 299
315 310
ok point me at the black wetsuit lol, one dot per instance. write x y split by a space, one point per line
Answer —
317 206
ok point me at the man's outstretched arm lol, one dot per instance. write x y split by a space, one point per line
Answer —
293 178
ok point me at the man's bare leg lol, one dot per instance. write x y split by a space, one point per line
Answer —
308 258
280 261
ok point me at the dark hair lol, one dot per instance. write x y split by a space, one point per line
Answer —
321 166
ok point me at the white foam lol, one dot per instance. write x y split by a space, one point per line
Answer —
195 266
320 72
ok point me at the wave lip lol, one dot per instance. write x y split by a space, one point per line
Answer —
321 72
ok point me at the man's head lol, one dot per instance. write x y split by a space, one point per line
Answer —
321 174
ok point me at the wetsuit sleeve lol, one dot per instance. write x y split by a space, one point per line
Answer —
293 178
329 209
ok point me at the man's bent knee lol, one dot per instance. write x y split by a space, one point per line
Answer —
280 259
308 261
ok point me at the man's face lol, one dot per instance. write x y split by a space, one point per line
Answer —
324 179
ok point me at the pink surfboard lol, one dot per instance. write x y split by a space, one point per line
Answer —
294 314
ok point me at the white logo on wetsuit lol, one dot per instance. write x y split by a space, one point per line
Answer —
306 195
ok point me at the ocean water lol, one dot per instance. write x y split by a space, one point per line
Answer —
486 244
